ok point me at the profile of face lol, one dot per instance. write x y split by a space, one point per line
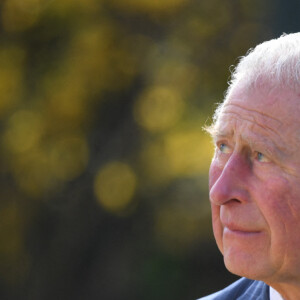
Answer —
254 183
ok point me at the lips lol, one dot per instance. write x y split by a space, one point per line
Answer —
228 231
237 228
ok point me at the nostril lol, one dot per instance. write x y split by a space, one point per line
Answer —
219 194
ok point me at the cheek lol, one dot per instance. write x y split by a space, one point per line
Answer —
280 204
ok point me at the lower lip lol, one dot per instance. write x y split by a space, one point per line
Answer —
240 233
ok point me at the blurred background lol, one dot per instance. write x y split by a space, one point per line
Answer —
103 160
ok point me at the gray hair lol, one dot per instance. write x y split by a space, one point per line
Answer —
276 62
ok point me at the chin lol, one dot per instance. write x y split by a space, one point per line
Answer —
247 265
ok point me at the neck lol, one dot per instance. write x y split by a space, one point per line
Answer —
287 290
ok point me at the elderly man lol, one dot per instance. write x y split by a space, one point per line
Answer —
255 174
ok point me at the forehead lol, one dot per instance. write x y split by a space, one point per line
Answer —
258 119
268 108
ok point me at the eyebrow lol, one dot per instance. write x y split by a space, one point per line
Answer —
268 146
218 134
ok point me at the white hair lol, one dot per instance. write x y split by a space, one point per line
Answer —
276 62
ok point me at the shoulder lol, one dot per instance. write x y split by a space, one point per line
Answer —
242 289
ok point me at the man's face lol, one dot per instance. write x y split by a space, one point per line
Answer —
255 185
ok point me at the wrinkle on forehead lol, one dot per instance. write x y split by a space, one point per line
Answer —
261 119
255 111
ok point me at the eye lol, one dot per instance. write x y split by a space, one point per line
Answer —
261 157
224 148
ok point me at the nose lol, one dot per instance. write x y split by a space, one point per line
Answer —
229 183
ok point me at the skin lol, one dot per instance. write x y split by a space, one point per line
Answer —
254 183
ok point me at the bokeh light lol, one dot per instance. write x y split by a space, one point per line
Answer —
179 153
24 131
189 152
40 166
115 185
158 108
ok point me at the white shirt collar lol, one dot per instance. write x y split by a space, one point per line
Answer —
274 295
